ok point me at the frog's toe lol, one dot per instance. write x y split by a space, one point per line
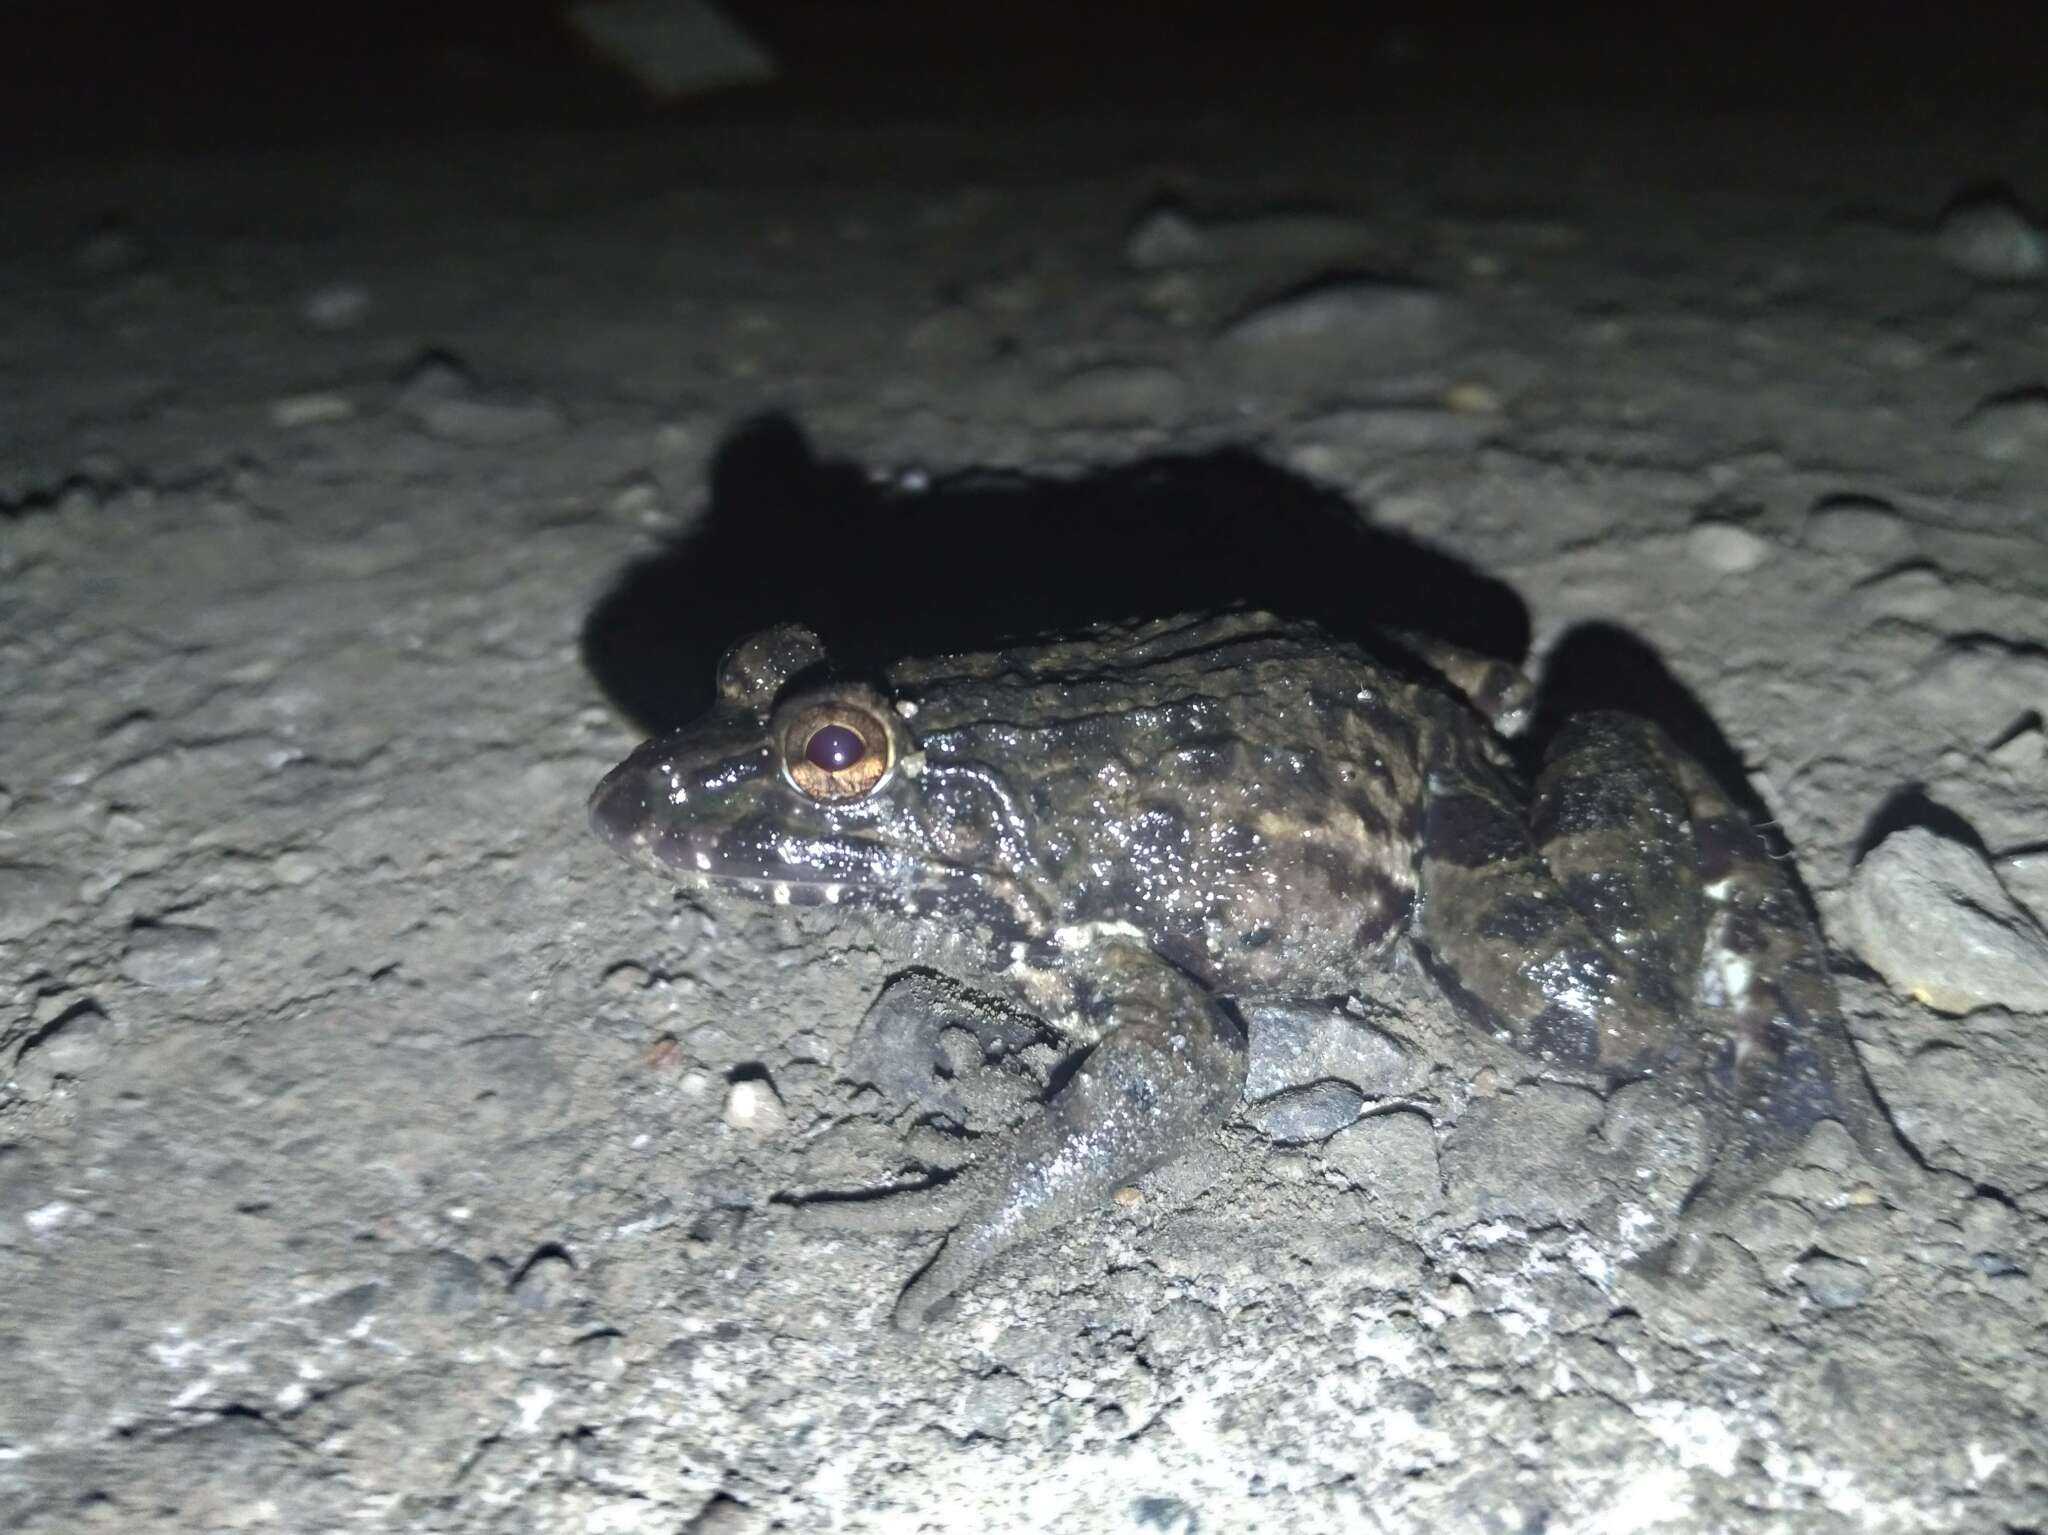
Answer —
930 1206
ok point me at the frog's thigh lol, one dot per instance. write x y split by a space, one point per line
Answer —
1637 919
1169 1071
1572 925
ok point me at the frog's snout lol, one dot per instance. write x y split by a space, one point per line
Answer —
625 802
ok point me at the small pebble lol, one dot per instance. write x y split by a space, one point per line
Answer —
1834 1283
656 1214
1137 395
31 896
1166 239
2011 427
442 399
2025 751
992 1406
1472 398
625 978
443 1282
171 957
318 409
1929 915
1990 1224
727 1516
1863 527
337 306
1352 327
1312 1113
1989 237
1294 1046
671 50
1918 592
638 500
1724 546
752 1105
70 1049
487 423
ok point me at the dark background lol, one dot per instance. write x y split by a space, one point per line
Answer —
109 74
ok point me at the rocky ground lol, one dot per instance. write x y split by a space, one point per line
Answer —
377 1151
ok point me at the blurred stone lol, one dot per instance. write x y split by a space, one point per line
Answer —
1353 327
337 306
2010 427
172 956
1989 237
1929 916
1725 546
671 48
1311 1113
1859 526
1165 239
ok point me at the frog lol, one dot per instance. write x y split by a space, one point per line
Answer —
1140 832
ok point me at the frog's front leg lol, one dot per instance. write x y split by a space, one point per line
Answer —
1632 921
1168 1070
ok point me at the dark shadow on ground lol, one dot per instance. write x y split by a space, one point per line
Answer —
976 560
1911 806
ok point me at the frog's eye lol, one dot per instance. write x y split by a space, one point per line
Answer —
835 750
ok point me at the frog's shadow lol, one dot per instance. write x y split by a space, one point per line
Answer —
971 561
974 560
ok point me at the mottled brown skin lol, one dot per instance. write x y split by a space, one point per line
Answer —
1137 830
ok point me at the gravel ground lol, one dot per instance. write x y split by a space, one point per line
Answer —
377 1151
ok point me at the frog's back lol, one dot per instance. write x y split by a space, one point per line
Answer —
1243 791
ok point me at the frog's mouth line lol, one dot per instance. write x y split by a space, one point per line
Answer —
772 861
850 870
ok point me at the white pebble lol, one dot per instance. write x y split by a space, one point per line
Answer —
1725 546
337 306
752 1105
322 409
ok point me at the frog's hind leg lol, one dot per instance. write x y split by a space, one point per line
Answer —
1635 921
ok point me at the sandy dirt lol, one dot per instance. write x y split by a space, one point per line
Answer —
378 1152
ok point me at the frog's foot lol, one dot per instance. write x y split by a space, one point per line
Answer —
900 1048
1635 921
1169 1071
1775 1056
